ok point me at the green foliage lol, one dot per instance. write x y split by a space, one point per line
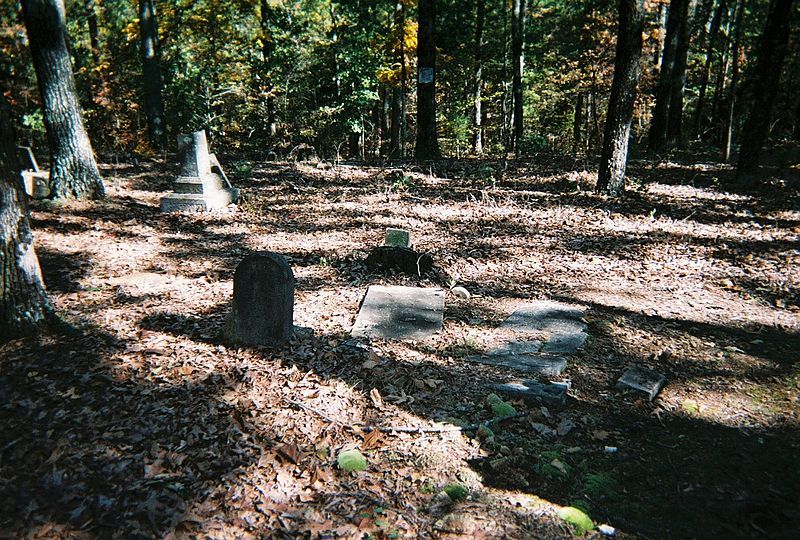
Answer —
580 522
456 492
351 460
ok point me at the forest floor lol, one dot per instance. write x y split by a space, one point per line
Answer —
146 423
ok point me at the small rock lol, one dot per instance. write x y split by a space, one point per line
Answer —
461 292
642 379
607 530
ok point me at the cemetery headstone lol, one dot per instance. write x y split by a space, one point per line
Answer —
35 181
642 379
263 300
402 313
397 238
532 390
197 188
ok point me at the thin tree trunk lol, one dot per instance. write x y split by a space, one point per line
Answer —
73 171
662 23
772 52
727 128
716 22
517 52
613 160
267 48
427 140
91 21
24 306
797 123
577 124
151 73
678 11
675 121
721 77
477 116
398 107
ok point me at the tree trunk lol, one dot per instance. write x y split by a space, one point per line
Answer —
151 73
727 117
94 41
678 12
611 176
267 48
577 124
427 141
662 23
24 306
517 51
716 22
774 43
477 136
73 171
675 122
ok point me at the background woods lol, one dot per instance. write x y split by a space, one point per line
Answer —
267 75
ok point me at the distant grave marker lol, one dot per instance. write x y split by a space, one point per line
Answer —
397 238
35 181
564 334
528 389
402 313
642 379
197 188
263 300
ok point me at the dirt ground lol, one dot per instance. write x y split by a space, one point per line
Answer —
145 422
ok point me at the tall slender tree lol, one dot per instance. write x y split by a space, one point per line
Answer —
517 52
614 157
732 90
73 170
151 73
678 86
667 77
477 114
716 23
772 51
24 306
427 139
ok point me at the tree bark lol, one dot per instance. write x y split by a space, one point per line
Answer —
727 128
24 306
716 22
676 16
614 157
151 73
91 21
427 140
517 52
267 49
73 171
477 116
774 44
577 124
675 121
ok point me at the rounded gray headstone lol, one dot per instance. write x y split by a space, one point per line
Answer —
263 300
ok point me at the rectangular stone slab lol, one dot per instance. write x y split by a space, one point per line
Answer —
539 363
642 379
562 323
401 313
529 389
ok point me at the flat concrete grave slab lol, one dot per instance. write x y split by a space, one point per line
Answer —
529 389
401 313
522 356
642 379
562 322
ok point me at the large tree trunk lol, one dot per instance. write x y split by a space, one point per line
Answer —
517 52
675 122
716 22
267 48
611 176
151 71
24 306
477 115
427 140
73 171
774 44
676 17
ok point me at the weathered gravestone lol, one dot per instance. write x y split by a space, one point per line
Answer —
263 300
403 313
642 379
197 188
531 390
35 181
563 333
397 238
